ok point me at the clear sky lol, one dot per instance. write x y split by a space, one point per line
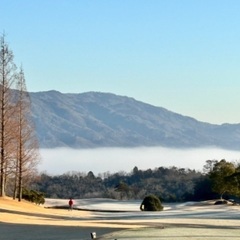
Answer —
183 55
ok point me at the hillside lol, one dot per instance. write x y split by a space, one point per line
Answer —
94 119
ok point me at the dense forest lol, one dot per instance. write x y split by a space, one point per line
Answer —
169 184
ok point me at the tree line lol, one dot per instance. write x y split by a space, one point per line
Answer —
18 143
169 184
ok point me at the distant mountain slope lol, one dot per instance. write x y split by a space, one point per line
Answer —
94 119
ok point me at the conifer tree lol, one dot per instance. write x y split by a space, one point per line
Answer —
27 156
7 79
18 143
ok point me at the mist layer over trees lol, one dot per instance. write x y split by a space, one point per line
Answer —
19 159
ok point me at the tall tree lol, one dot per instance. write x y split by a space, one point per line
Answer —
27 156
220 176
208 167
7 78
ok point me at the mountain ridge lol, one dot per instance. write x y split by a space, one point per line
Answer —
97 119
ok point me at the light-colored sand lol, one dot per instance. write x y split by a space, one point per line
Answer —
12 211
189 220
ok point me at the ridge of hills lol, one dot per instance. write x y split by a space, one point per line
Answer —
96 119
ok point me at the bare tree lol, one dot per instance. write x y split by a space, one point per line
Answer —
27 156
7 78
18 144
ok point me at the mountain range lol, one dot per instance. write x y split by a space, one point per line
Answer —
95 119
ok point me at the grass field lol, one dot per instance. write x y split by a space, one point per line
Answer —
112 219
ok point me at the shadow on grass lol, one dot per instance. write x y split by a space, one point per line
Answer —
45 232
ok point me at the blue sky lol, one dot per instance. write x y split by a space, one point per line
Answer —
180 55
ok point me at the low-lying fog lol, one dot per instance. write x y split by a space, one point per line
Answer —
61 160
